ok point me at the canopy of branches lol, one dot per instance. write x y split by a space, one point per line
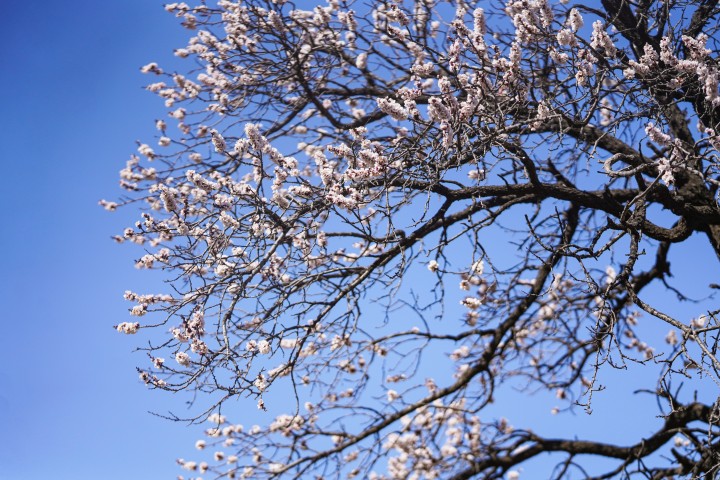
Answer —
383 216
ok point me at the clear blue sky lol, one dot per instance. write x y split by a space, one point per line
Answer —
71 405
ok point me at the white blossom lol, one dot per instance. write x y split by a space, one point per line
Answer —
472 303
392 108
392 395
218 142
575 20
263 347
182 358
129 328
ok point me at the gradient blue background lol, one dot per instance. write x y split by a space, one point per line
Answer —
71 405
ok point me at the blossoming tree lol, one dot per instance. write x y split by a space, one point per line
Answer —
352 198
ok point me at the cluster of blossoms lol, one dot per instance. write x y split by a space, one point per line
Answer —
407 448
128 327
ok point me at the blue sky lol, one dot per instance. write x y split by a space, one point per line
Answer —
71 405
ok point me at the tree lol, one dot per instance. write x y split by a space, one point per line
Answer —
338 171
